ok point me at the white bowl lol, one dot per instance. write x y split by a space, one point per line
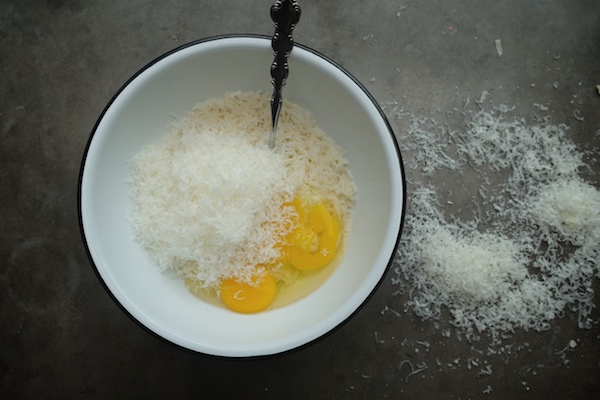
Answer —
141 112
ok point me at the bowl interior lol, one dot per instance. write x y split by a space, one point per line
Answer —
142 112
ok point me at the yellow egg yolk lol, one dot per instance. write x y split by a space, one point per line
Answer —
312 244
245 298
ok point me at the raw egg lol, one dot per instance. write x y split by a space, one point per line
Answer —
246 298
311 244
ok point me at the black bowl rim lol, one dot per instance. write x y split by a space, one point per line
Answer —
229 36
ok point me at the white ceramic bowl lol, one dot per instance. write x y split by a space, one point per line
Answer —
141 112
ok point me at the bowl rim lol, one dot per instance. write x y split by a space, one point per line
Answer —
228 37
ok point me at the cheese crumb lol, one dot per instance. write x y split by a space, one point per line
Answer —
498 43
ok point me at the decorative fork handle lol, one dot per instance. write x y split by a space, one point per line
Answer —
285 15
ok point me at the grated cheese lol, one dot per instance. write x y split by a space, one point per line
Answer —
471 264
208 201
571 208
504 264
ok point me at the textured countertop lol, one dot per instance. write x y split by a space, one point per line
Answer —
61 334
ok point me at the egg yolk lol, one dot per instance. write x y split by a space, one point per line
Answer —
245 298
313 243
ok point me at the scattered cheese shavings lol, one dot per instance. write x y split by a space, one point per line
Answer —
503 265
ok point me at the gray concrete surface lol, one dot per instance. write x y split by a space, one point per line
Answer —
61 61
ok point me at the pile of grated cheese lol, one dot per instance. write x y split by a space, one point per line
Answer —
208 201
522 251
